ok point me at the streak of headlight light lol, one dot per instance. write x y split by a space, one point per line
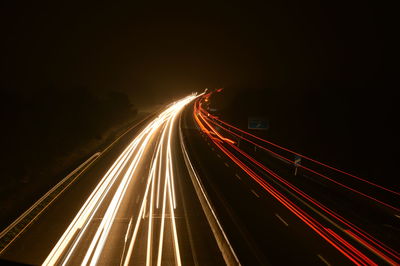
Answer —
96 197
138 220
104 228
93 212
111 212
83 214
156 166
176 243
150 228
169 160
86 225
127 231
174 109
159 168
160 243
81 233
167 187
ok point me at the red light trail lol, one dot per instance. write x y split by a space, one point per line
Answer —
344 235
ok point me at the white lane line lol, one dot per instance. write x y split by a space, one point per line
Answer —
219 156
323 259
238 177
255 193
281 219
226 164
398 216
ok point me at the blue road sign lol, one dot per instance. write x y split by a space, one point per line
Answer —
257 123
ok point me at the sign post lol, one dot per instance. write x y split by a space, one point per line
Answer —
297 161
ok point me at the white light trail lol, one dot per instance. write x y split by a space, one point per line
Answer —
161 171
119 177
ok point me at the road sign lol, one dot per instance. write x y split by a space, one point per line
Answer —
297 160
258 123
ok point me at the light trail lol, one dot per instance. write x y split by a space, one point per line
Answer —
344 244
112 190
294 153
308 168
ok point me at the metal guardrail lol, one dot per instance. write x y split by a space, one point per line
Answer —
9 234
225 247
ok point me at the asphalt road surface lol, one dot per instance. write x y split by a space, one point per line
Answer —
135 205
175 191
318 215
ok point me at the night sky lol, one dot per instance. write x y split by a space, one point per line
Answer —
163 50
319 55
75 75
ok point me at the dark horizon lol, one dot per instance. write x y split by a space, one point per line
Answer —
107 157
308 55
166 50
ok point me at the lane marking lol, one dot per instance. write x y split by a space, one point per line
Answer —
281 219
238 176
398 216
226 164
116 219
219 156
323 260
255 193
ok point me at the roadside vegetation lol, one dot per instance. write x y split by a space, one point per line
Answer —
49 133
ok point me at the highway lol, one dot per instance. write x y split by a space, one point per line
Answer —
184 187
314 215
135 206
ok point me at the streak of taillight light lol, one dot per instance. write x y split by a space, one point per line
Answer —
308 169
308 158
312 223
374 241
294 209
